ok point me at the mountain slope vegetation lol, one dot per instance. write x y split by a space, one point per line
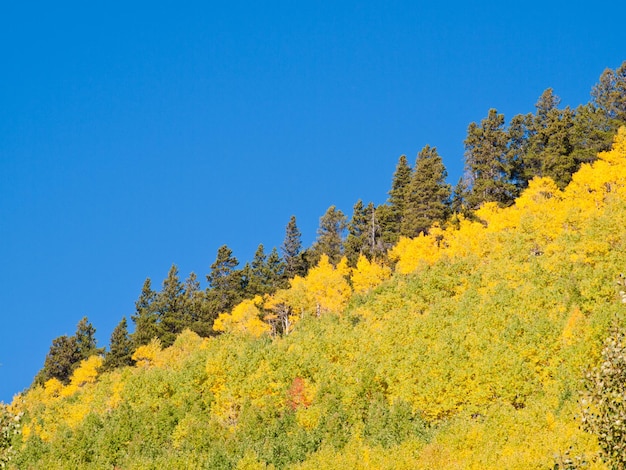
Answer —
473 344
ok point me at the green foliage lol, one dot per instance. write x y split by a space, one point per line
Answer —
295 264
120 348
9 429
487 162
604 401
67 352
468 357
329 236
427 195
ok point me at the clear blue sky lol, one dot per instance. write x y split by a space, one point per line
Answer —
134 135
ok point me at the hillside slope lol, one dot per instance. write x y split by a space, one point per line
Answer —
470 356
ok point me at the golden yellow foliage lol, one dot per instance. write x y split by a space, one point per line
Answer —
411 252
245 318
148 354
368 274
87 371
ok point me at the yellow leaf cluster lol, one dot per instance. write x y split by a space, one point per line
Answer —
148 354
245 318
368 274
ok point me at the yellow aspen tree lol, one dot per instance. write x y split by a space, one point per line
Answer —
327 287
245 318
367 275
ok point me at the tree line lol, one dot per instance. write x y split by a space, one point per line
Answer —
500 160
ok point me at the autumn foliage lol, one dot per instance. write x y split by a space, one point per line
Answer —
469 354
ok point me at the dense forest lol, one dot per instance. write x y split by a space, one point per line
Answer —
479 325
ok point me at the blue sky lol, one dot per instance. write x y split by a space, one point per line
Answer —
135 135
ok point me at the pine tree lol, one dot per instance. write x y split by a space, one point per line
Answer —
85 339
275 269
66 353
225 284
60 360
486 162
549 151
390 216
195 307
120 348
591 133
609 95
291 249
363 233
329 236
145 317
170 305
427 197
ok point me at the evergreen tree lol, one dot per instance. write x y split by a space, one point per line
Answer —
549 151
390 217
291 249
253 274
170 305
120 348
275 272
60 360
486 162
85 340
225 284
519 134
363 233
329 236
196 316
66 353
458 204
427 197
591 133
145 317
609 95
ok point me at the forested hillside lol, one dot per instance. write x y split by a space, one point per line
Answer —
448 328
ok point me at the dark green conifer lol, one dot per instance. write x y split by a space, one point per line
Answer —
225 284
487 164
329 236
120 348
85 340
292 251
60 360
363 233
427 196
170 305
390 216
609 95
145 317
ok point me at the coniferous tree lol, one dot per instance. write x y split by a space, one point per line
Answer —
609 95
120 348
390 215
196 311
329 236
225 283
363 233
458 204
292 251
275 272
60 360
66 353
486 162
254 274
427 197
549 151
85 338
170 305
145 317
591 133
